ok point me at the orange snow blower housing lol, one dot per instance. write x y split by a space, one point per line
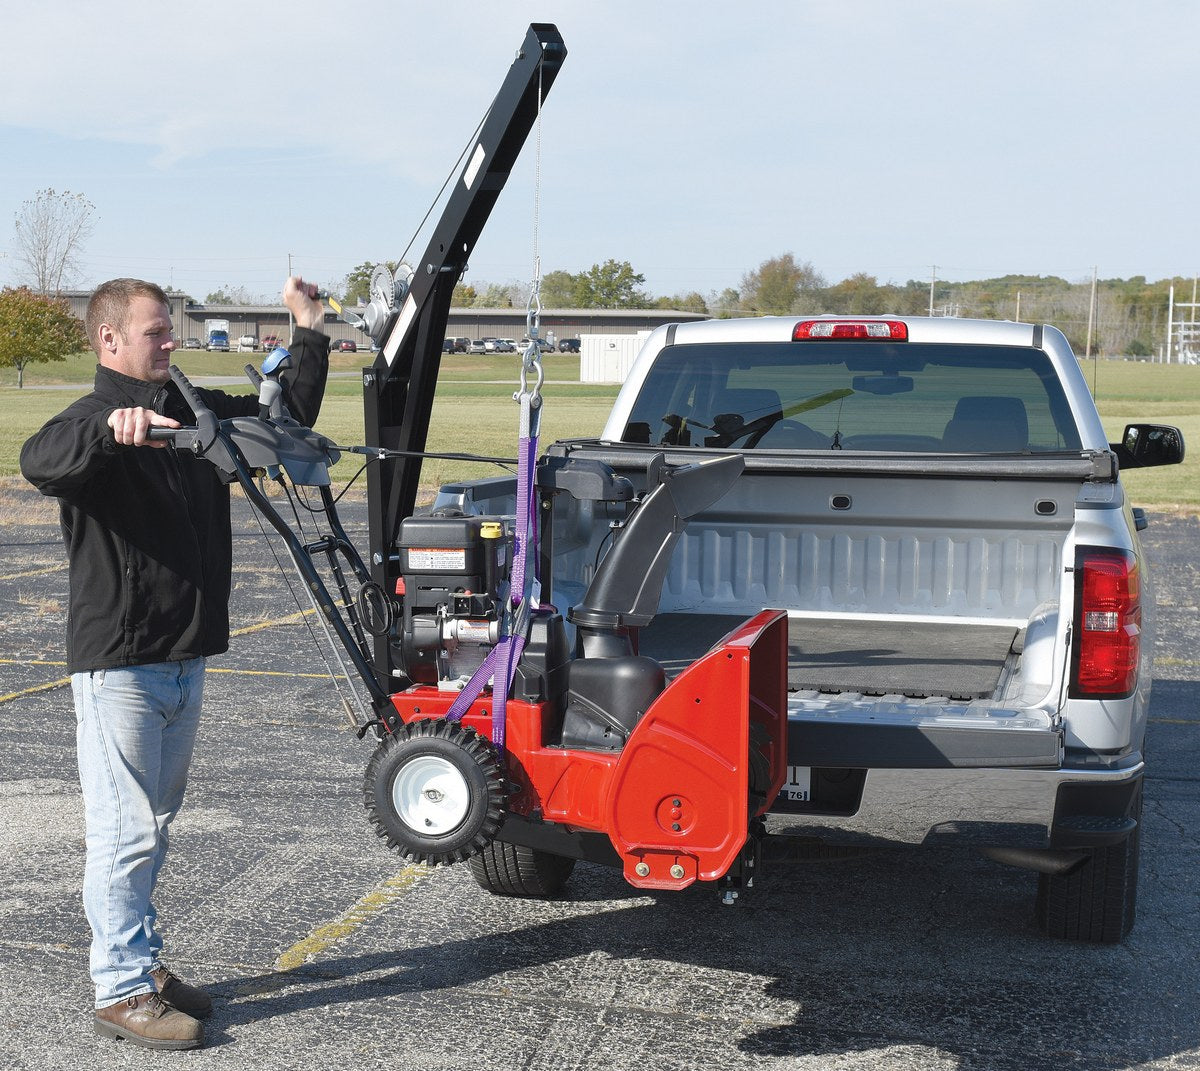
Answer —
678 799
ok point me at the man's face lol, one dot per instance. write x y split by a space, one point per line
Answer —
143 348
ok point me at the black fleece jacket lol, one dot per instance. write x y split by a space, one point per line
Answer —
147 530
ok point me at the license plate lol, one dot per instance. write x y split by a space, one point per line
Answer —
798 786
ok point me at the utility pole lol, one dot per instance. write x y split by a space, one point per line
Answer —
1091 314
291 319
932 283
1170 318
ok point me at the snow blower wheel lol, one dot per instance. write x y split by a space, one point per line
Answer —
435 791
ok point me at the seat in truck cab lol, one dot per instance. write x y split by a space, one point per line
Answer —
987 425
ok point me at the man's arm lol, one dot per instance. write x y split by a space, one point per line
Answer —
74 447
305 380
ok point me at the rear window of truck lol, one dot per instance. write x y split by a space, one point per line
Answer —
870 396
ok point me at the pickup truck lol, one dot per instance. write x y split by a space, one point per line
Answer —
935 505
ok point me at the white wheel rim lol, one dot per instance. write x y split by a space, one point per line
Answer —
431 796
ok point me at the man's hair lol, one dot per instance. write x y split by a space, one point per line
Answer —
110 303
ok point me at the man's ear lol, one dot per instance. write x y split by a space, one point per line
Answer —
107 335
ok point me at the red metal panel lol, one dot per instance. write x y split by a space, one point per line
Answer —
675 800
678 805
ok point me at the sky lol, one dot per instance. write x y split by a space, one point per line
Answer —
220 143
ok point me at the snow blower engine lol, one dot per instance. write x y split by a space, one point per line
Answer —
451 573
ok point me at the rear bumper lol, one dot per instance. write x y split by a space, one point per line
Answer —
1032 808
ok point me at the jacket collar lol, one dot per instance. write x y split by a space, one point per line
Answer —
115 386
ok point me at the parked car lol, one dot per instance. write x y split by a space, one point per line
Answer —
543 345
506 345
447 345
269 342
568 345
480 345
247 344
345 345
461 344
192 344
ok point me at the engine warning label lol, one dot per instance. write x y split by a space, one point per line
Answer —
441 559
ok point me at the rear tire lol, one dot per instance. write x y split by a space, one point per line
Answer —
516 870
1097 901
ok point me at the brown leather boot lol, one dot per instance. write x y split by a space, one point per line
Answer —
189 999
145 1020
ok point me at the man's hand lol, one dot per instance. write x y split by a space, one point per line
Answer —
306 306
131 426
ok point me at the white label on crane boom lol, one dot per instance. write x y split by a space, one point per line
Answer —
401 329
472 171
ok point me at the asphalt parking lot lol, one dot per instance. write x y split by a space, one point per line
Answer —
324 950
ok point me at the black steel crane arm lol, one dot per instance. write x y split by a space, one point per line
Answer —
398 389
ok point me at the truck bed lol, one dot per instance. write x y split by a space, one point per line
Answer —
914 659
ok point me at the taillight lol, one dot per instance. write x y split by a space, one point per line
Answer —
870 330
1108 620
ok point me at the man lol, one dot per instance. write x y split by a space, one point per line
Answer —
147 532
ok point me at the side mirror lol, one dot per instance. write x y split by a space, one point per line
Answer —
1144 445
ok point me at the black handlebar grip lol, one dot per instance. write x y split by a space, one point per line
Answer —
188 391
163 434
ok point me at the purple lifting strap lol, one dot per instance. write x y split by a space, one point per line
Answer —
501 662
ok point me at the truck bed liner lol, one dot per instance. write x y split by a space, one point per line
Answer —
959 661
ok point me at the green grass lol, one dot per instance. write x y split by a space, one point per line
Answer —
474 412
1128 392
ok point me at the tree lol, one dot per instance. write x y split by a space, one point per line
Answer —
496 296
232 295
35 328
464 296
560 289
859 295
691 302
726 304
51 229
780 285
611 285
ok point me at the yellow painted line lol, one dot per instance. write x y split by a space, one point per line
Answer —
375 903
210 669
28 662
35 689
290 619
35 572
272 673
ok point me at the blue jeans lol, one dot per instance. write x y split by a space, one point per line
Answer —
135 729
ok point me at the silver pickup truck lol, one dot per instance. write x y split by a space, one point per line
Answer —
935 505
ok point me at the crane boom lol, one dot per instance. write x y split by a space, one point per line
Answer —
398 388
